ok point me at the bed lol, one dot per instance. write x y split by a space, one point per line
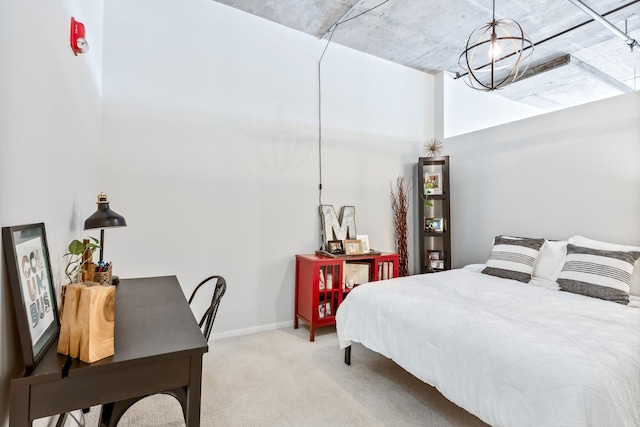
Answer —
532 352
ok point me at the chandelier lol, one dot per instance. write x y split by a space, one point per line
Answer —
496 54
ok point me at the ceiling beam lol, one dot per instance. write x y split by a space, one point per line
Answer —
546 66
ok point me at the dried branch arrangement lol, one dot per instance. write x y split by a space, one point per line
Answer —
400 206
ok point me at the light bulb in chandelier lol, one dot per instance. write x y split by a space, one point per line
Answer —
494 48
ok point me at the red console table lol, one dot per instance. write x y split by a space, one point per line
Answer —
320 283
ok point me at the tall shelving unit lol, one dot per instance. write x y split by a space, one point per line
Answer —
434 222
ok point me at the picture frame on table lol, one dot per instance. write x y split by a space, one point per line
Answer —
352 247
364 238
434 224
27 257
433 183
434 255
335 247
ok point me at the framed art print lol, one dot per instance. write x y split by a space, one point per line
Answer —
352 247
437 264
433 183
434 224
27 257
364 238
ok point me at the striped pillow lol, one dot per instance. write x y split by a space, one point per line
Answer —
598 273
513 258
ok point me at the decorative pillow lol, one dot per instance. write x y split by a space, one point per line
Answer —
550 260
598 273
513 258
596 244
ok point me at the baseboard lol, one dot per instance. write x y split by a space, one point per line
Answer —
249 331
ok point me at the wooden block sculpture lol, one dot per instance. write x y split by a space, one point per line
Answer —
69 339
87 321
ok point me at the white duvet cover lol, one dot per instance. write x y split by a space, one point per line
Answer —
513 354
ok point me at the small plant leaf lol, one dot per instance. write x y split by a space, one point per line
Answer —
76 247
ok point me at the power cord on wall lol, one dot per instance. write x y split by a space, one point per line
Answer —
331 31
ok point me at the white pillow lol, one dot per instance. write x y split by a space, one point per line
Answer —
550 260
606 246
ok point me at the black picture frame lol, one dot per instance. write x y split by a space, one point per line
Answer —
335 247
27 257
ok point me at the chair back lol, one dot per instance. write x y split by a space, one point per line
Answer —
206 322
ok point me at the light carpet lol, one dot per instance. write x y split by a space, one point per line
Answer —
279 378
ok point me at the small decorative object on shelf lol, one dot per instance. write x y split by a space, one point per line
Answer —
324 281
335 247
434 225
364 238
433 182
352 247
433 147
434 215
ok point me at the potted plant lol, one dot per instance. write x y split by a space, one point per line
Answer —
80 258
427 189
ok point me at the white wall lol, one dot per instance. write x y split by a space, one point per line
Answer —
575 171
49 139
462 109
210 139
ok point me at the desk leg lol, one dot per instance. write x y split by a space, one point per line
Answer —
194 393
19 407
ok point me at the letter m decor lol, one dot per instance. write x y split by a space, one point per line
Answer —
338 229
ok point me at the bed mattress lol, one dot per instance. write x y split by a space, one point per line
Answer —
513 354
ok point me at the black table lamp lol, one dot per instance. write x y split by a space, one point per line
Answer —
102 218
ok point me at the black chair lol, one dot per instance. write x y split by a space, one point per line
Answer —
112 412
206 322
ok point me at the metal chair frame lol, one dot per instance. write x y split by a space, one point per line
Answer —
210 315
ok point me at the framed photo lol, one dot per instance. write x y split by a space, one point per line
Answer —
352 247
27 257
433 183
335 247
434 224
434 255
364 238
437 264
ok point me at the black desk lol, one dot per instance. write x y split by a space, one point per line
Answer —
158 347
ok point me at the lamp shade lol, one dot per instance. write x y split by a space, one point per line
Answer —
104 217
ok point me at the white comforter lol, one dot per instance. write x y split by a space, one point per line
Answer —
513 354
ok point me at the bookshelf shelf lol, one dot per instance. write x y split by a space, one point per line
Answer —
320 283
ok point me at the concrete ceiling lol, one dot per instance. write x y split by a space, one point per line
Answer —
429 35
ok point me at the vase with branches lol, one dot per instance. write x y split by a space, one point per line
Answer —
400 207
